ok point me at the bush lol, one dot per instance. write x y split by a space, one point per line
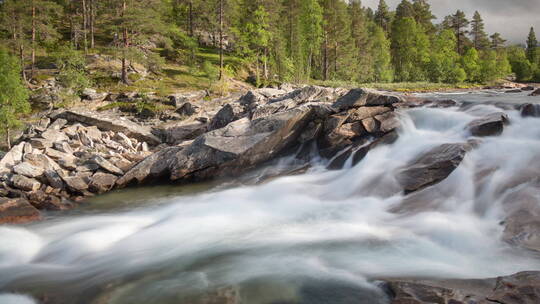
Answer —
72 66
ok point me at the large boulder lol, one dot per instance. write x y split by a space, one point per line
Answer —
240 145
490 125
153 167
432 167
17 211
356 98
108 122
530 110
535 93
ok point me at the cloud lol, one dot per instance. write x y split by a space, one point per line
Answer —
512 19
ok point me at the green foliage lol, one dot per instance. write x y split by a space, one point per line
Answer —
72 66
532 47
444 60
382 59
410 47
471 64
521 66
13 94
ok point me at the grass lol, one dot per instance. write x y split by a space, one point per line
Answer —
173 78
401 86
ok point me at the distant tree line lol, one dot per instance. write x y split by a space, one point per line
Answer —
280 40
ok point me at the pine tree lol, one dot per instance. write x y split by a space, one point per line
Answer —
311 22
479 36
383 17
382 58
532 47
423 15
405 9
410 50
13 94
497 41
459 23
362 42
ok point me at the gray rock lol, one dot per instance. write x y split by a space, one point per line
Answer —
93 95
54 135
25 183
40 143
224 116
11 158
108 122
535 93
432 167
365 97
106 165
41 161
75 183
17 211
28 170
388 122
43 124
63 147
180 99
102 182
367 112
530 110
240 145
58 124
54 179
155 166
490 125
187 109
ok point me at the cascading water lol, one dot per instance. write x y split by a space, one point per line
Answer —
320 237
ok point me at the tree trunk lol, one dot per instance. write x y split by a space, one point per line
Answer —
33 39
265 64
190 16
21 54
325 57
8 139
220 39
92 22
85 26
258 81
125 79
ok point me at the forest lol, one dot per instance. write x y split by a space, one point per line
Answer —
263 41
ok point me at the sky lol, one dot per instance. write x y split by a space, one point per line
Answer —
511 18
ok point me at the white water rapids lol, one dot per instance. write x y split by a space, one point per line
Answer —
323 228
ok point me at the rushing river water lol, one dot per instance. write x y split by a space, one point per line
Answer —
319 237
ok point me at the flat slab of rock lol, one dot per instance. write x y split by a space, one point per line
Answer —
25 183
114 123
520 288
240 145
365 97
432 167
491 125
106 165
11 158
28 170
17 211
75 183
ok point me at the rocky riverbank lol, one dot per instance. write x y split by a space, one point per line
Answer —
74 154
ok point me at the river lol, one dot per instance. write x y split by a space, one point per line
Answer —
318 237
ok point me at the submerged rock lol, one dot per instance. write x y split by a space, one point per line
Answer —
432 167
17 211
